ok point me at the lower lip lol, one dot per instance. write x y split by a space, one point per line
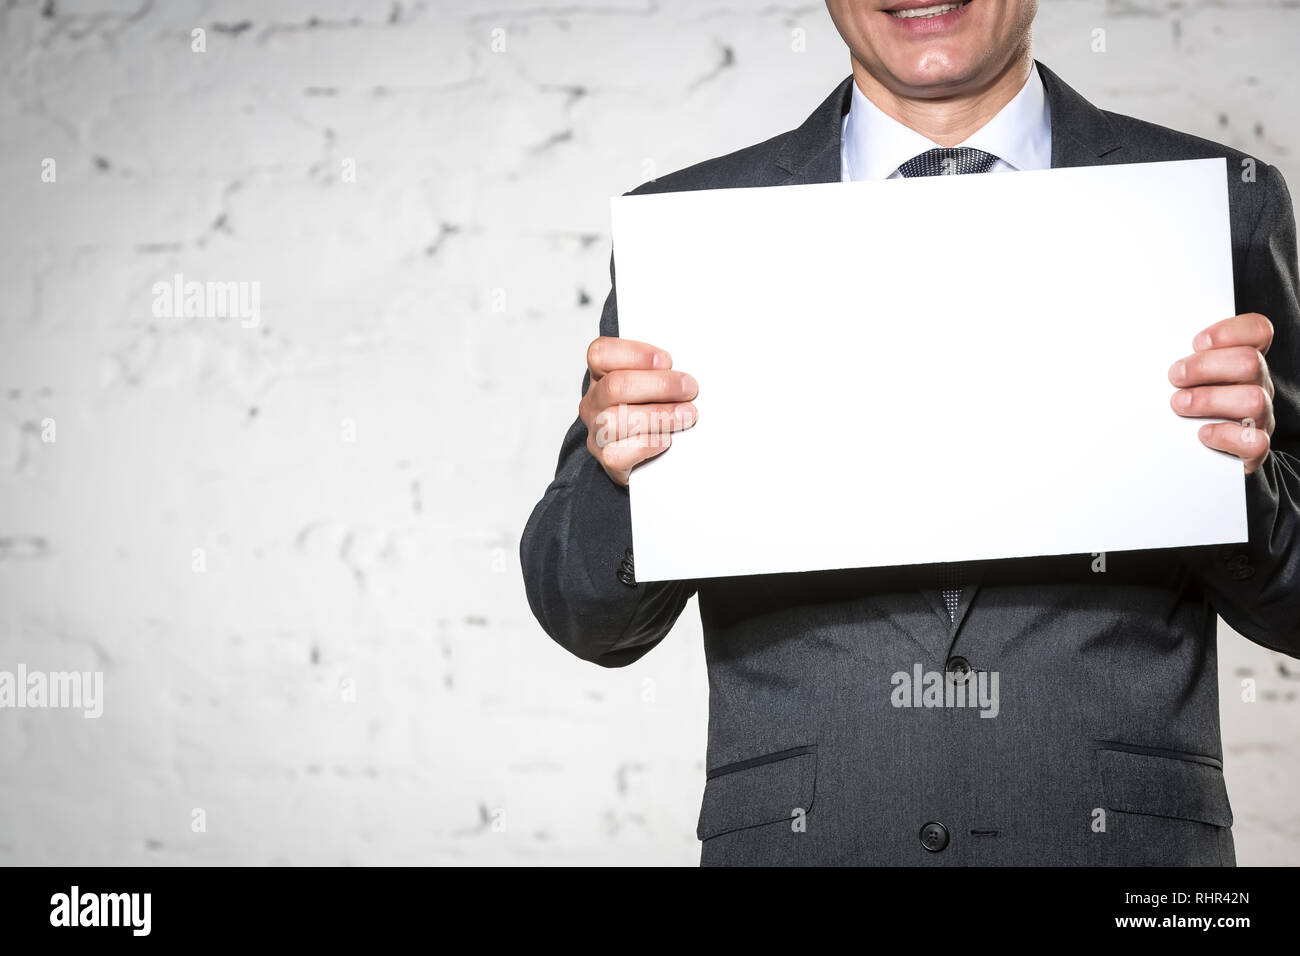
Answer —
924 26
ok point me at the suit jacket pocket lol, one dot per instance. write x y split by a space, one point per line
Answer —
763 789
1165 784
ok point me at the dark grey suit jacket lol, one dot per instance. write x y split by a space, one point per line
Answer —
1106 746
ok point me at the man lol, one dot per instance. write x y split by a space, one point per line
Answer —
1105 748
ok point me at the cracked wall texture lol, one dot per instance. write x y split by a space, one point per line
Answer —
434 310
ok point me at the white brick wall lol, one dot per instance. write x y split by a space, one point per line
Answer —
482 179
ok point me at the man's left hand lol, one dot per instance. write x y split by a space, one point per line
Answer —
1226 376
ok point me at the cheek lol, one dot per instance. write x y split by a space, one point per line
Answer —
851 19
1024 18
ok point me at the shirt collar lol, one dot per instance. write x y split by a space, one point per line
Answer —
874 144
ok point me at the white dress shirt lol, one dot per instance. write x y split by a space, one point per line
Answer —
873 144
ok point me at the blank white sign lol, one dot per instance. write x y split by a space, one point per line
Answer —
927 370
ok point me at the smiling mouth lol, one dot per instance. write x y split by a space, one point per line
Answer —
924 13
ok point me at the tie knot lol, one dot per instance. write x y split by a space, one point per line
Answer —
949 161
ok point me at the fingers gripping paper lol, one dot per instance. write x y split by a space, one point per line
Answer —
925 370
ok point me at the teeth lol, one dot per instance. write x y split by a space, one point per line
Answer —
937 10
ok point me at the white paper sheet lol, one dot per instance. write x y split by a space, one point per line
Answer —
926 370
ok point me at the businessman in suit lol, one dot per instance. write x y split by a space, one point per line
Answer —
836 730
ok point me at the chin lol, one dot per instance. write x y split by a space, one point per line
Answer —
939 70
940 47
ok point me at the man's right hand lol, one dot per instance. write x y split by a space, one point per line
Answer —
634 403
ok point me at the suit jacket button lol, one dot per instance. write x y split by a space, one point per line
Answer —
959 670
934 837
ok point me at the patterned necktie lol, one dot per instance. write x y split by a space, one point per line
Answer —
951 577
949 161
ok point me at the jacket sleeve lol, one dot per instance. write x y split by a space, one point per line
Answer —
1255 587
573 549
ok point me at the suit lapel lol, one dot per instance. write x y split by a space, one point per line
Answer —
811 153
1081 133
